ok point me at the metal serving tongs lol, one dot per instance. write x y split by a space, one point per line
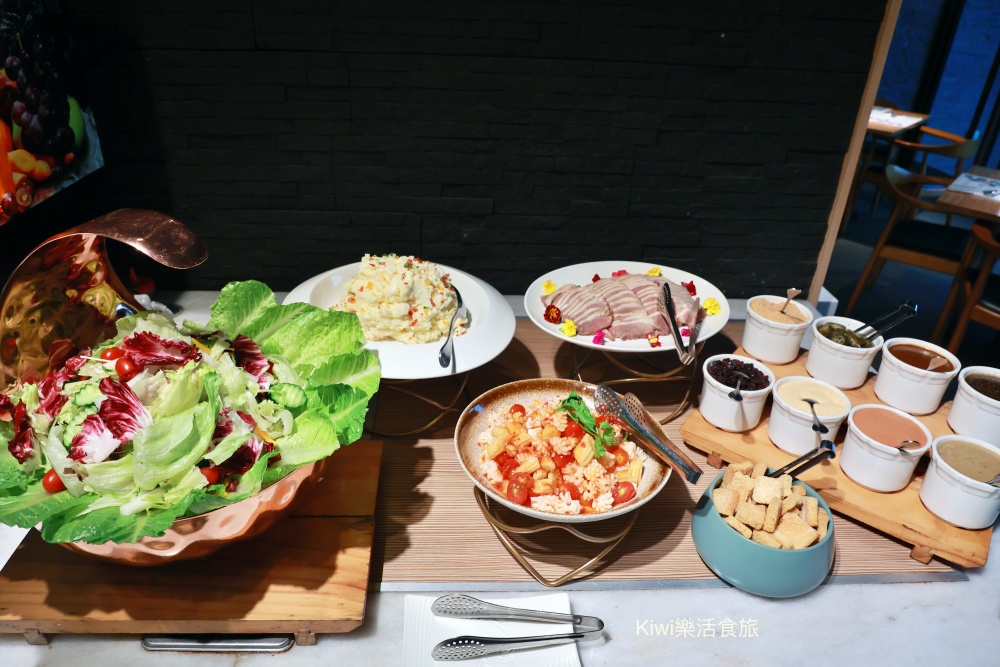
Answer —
906 310
635 418
686 353
469 647
826 450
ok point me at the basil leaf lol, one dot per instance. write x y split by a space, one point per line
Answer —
578 411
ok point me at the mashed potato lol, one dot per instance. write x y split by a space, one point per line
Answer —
402 298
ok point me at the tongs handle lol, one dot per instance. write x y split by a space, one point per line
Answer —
469 647
825 451
906 310
675 331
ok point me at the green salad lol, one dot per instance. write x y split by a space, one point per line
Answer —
162 421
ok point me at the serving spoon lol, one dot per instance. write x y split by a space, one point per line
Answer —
792 293
735 393
909 444
995 481
447 353
817 426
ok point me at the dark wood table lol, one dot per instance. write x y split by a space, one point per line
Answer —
974 206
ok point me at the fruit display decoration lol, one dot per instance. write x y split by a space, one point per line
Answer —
42 128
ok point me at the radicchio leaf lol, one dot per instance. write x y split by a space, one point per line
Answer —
249 357
94 443
145 348
50 398
21 446
122 410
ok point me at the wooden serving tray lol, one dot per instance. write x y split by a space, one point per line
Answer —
900 514
307 575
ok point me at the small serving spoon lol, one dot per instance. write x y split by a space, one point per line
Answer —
909 444
936 363
817 426
735 393
995 481
447 353
792 293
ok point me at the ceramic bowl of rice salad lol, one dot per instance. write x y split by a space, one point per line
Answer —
540 448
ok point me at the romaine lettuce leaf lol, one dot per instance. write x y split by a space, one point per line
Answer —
171 445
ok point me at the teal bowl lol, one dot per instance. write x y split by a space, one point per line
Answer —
755 568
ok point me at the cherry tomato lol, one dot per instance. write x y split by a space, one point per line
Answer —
52 482
573 430
506 463
211 474
572 489
622 493
519 487
112 353
610 419
621 456
563 460
517 408
126 369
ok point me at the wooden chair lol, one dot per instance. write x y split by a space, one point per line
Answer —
931 141
975 287
908 239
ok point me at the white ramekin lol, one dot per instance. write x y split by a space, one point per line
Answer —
972 414
791 429
723 412
958 499
842 366
770 341
909 388
875 465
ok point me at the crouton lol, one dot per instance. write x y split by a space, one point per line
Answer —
739 527
725 501
750 514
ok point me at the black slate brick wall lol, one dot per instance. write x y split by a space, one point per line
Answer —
503 138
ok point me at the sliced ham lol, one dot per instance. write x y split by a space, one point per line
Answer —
687 315
630 320
588 309
649 289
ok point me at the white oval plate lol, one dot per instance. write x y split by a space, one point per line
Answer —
490 330
581 274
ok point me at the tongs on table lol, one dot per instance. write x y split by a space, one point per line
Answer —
469 647
826 450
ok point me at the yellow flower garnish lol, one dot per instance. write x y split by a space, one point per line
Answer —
548 287
712 306
655 271
568 328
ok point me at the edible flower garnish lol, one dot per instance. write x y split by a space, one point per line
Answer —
595 278
548 287
685 331
690 288
615 274
568 328
712 306
553 314
578 411
599 338
655 271
654 341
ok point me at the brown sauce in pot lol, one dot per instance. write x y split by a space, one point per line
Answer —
919 357
987 385
971 459
888 427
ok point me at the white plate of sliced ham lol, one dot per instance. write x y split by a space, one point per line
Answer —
617 305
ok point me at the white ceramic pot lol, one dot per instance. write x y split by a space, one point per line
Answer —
956 498
770 341
841 365
972 413
909 388
790 427
876 465
723 412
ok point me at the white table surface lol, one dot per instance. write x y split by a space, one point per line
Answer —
934 624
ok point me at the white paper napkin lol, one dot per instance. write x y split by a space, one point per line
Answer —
980 186
422 631
886 116
10 539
